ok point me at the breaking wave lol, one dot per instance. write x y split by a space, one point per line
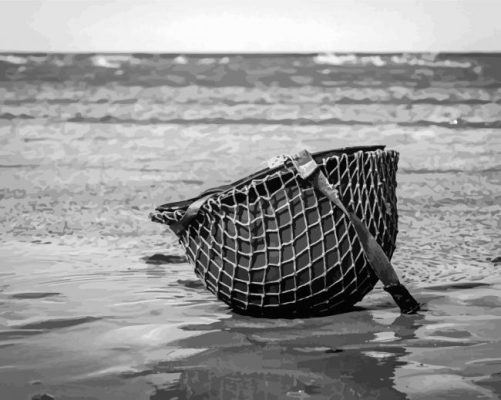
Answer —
422 60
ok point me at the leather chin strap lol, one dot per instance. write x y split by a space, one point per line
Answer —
309 170
191 212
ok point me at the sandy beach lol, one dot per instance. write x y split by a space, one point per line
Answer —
120 329
97 302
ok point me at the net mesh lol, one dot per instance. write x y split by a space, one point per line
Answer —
276 246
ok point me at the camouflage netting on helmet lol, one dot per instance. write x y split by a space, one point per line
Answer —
274 245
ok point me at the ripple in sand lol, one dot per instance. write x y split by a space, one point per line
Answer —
56 323
191 284
317 349
33 295
10 334
489 301
456 286
452 333
164 259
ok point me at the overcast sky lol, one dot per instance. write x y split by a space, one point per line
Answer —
250 25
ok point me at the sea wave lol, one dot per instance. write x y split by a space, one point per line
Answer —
117 60
423 60
13 59
114 61
457 123
327 70
229 102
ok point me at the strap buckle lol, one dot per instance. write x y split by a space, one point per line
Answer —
304 163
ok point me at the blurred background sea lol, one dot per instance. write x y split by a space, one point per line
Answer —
98 302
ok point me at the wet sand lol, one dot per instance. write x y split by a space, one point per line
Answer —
109 328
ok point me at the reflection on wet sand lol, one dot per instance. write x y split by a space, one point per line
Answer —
161 335
370 352
321 358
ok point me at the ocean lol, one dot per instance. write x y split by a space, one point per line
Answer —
97 302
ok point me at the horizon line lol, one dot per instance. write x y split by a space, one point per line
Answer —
248 53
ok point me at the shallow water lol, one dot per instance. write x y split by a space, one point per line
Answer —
98 302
